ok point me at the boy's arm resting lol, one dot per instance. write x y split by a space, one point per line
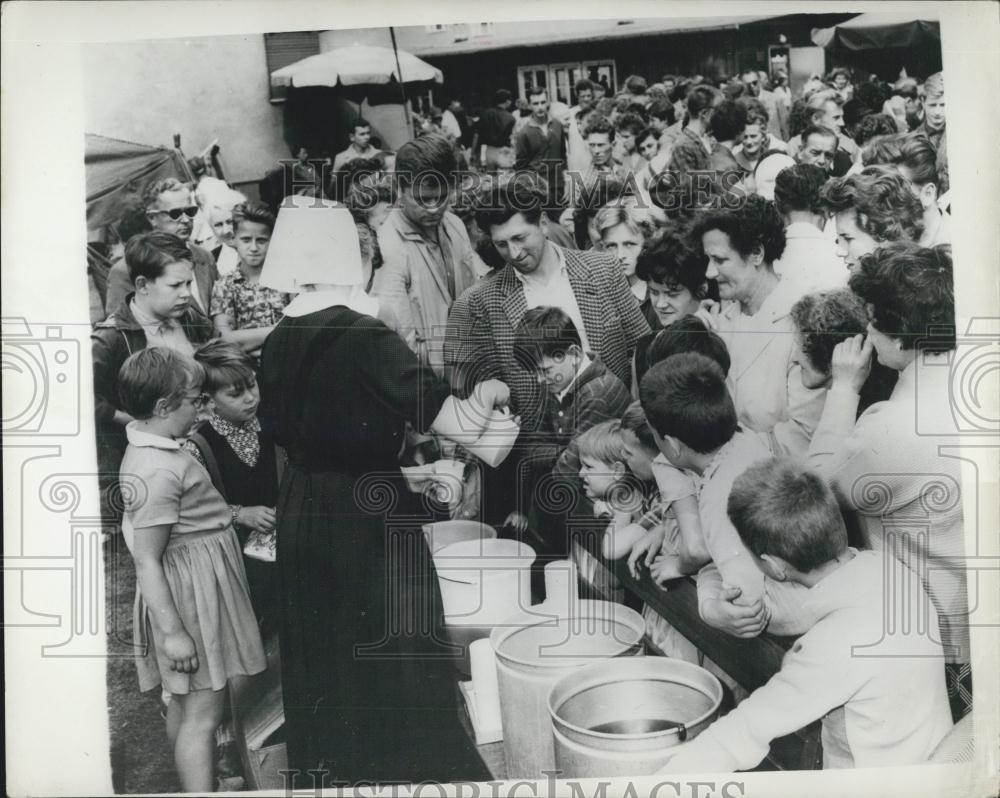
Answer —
666 567
679 490
147 551
816 676
646 549
620 539
693 553
248 340
718 607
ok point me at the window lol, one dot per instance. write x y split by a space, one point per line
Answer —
282 49
602 72
560 79
530 76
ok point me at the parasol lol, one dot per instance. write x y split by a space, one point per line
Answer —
358 68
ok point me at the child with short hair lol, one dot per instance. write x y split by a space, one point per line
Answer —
580 390
692 415
622 537
240 458
663 553
194 623
652 539
243 311
615 494
876 686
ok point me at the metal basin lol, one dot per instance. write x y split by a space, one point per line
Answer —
621 717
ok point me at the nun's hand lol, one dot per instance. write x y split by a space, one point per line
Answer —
497 391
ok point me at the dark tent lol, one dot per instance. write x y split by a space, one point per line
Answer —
877 30
884 44
117 172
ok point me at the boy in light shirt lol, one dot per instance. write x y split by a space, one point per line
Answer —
703 450
875 681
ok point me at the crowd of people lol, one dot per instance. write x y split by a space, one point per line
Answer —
717 313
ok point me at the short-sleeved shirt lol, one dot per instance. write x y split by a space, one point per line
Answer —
728 551
162 484
249 305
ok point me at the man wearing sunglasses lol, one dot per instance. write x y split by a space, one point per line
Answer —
777 116
170 208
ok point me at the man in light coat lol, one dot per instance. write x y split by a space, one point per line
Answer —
428 260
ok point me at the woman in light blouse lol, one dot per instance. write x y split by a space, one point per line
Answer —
893 465
754 320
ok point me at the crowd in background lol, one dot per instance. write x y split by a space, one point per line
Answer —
712 306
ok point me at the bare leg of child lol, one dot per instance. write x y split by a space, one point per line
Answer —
174 715
194 751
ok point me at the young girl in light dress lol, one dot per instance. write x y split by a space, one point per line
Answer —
194 623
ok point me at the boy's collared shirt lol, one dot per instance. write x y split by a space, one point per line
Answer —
876 681
585 362
168 334
137 437
595 395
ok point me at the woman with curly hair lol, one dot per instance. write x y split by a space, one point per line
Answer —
892 466
754 320
674 276
823 320
871 208
916 159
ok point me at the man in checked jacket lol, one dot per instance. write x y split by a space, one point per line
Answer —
480 340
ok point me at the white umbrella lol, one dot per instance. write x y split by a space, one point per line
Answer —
357 65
